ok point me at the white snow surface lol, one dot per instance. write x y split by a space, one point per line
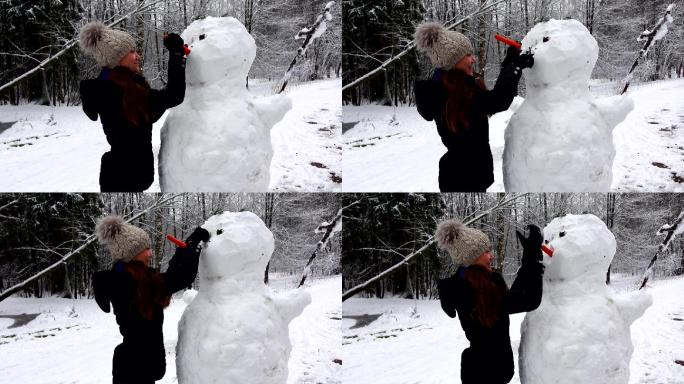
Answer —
236 330
58 349
407 347
560 139
581 328
58 149
392 149
219 138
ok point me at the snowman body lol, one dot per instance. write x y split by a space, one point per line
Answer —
580 333
236 330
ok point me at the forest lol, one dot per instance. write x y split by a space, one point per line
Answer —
32 32
383 230
376 31
39 230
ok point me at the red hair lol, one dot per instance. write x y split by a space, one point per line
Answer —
150 290
135 96
459 98
488 295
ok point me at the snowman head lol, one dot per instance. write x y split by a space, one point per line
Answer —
583 248
564 53
220 48
239 248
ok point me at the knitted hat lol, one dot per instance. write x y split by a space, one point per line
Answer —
463 244
123 240
444 47
106 45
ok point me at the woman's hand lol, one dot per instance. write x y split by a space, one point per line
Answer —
199 234
174 43
520 60
525 60
531 244
512 54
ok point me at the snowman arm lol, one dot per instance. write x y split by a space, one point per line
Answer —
291 304
182 268
633 305
272 109
173 94
501 96
526 292
614 109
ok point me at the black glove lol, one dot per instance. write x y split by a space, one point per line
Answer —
525 60
447 295
512 54
199 234
174 43
531 244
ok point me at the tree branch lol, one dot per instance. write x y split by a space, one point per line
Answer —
72 43
89 240
353 291
481 10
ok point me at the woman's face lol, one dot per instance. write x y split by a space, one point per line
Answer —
144 256
485 260
131 61
465 65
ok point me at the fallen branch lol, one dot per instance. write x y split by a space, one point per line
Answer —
353 291
89 240
335 225
309 35
658 32
670 231
411 45
70 44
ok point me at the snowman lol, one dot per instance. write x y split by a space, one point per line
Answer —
219 138
581 331
561 139
235 330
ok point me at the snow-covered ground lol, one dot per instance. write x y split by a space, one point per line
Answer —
424 346
63 347
307 144
58 149
395 150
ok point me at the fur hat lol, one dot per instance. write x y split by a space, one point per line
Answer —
106 45
444 47
463 244
123 240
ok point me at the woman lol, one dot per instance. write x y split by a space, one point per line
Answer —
460 104
126 105
139 295
483 301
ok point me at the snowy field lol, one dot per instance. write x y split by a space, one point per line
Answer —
386 341
58 149
61 346
395 150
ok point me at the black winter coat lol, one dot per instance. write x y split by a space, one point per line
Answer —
140 358
129 165
467 166
489 359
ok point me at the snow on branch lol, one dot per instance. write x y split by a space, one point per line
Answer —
142 7
481 10
329 229
658 32
308 34
670 231
89 240
353 291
